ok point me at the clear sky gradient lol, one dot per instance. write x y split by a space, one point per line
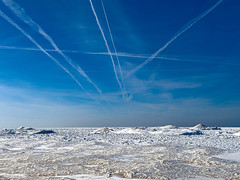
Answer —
58 69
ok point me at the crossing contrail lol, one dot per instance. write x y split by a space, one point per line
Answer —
185 28
22 15
4 16
122 54
108 49
114 47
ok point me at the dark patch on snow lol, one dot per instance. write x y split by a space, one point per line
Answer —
192 133
44 132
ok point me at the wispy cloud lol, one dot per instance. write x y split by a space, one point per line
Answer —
4 16
48 113
22 15
107 46
41 110
29 107
140 86
184 29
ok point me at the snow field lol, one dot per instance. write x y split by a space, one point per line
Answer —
115 153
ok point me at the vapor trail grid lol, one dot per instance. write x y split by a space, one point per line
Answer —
108 49
114 47
22 15
4 16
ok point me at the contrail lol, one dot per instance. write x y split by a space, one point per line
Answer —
22 15
108 49
185 28
36 49
3 15
19 48
114 47
122 54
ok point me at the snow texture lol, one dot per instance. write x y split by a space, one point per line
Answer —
25 130
237 133
166 152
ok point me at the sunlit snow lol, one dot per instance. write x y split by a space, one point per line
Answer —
166 152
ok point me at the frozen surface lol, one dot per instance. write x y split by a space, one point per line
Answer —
237 133
230 156
166 152
200 178
87 177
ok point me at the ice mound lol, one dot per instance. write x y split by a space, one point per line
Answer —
203 127
200 126
102 130
132 130
20 130
237 133
24 130
173 130
162 128
169 127
7 131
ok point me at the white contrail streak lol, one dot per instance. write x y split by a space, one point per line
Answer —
36 49
114 47
3 15
122 54
19 48
22 15
108 49
185 28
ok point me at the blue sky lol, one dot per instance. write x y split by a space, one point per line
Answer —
176 62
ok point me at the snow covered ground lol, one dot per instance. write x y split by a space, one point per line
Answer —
166 152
